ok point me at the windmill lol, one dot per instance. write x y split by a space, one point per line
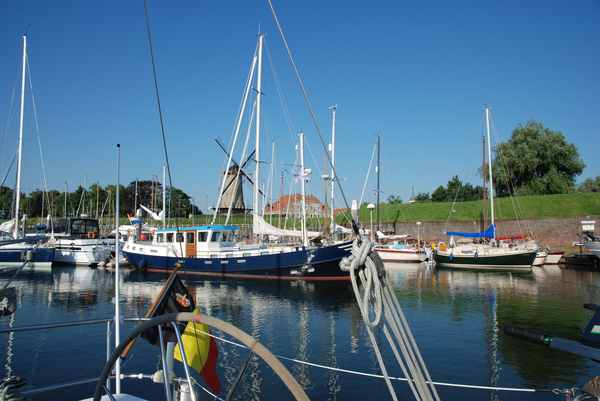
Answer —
233 193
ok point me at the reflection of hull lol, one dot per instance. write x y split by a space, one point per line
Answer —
513 261
300 263
401 255
15 256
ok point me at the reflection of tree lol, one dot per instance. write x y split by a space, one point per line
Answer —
538 364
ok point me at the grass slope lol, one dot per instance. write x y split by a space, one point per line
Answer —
575 204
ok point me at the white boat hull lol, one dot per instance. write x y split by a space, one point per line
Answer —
540 259
400 255
81 252
554 258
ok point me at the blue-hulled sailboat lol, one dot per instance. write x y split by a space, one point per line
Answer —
16 249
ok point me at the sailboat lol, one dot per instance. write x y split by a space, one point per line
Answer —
19 250
486 252
217 250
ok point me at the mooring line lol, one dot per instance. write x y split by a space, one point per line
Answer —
379 376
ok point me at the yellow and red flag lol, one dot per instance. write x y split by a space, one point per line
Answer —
201 352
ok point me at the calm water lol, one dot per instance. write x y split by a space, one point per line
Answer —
455 317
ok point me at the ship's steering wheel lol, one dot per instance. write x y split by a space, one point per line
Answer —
172 319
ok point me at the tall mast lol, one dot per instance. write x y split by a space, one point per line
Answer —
332 176
378 175
135 201
302 190
255 206
271 182
20 148
66 191
117 286
489 148
164 196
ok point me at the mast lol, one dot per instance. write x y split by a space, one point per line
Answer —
164 196
97 198
332 176
302 190
378 168
66 191
489 148
271 182
117 287
135 201
20 148
255 205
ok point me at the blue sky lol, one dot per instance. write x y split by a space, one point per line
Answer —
419 72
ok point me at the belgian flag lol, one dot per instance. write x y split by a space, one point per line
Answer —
200 349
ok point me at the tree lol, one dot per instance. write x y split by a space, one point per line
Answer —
536 160
422 196
394 200
590 185
440 194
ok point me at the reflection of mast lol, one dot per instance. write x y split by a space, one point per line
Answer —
301 371
492 341
9 347
333 386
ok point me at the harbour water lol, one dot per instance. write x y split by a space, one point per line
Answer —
455 316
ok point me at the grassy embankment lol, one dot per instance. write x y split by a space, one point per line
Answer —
577 204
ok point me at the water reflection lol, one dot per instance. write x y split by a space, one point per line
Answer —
455 315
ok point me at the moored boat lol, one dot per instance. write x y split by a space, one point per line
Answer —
213 251
78 242
540 258
554 258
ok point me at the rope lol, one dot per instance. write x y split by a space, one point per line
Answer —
367 176
377 300
379 376
309 107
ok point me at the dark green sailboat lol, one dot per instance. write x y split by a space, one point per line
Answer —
487 253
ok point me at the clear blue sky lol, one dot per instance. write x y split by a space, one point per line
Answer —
420 72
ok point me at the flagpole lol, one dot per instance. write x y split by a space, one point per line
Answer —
117 276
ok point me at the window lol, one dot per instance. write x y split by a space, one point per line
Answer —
216 236
78 227
160 237
202 235
179 237
169 237
189 238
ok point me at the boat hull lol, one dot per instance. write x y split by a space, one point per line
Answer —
81 252
41 258
400 255
554 258
540 259
300 264
510 262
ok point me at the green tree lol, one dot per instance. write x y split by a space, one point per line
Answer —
440 194
590 185
422 196
536 160
394 200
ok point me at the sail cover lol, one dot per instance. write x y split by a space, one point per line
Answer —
260 226
490 232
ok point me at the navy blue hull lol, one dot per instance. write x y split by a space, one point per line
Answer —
313 264
16 256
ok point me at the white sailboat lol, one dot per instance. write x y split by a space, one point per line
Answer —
23 251
486 253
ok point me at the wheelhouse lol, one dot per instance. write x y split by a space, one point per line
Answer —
198 238
77 227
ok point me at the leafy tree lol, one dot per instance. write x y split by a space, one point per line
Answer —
440 194
394 200
590 185
423 196
536 160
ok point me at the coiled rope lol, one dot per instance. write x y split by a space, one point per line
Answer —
376 299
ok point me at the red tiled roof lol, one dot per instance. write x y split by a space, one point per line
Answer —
281 204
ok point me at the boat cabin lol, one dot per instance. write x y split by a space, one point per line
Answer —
199 238
77 227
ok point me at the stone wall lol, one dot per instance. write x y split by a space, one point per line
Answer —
554 233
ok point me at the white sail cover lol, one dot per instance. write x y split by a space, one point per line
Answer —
8 226
260 226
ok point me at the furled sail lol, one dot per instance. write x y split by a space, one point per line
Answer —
260 226
490 232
